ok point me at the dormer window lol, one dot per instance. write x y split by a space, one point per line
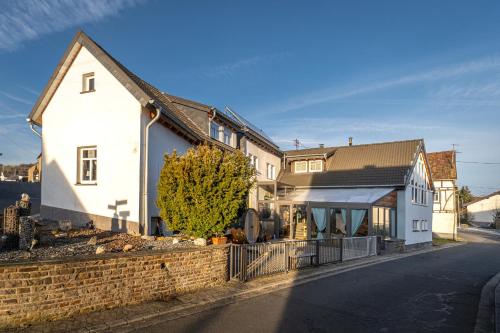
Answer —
316 166
300 166
308 166
88 82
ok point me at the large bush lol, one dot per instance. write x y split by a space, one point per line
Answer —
201 192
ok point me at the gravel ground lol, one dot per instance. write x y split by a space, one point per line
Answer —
58 244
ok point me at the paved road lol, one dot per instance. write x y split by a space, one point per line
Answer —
432 292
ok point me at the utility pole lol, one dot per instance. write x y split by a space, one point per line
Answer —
296 143
456 218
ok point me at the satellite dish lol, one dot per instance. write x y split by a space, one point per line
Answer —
252 225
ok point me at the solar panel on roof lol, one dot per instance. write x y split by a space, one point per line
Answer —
244 122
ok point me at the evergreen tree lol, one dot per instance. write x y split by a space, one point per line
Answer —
201 192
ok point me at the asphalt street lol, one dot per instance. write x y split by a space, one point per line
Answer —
430 292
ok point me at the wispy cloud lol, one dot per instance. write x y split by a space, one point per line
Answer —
25 20
16 98
484 91
12 116
32 91
229 69
335 93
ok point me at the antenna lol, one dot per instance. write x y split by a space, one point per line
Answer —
455 152
296 143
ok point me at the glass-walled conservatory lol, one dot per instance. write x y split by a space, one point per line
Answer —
327 213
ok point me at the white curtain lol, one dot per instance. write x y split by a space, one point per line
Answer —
320 220
357 217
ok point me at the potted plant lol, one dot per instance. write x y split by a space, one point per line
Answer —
219 239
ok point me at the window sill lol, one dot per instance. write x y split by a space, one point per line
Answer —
87 91
86 184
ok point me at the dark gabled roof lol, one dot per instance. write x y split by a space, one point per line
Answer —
443 165
378 164
144 92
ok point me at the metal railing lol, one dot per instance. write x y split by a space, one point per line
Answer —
248 261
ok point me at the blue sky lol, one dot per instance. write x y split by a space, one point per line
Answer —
317 71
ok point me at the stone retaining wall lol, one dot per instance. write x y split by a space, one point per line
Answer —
55 289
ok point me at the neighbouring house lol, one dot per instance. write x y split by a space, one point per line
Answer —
105 132
35 171
356 190
482 211
445 208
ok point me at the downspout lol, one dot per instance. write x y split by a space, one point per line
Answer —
146 166
30 122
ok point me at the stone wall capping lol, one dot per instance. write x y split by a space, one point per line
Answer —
101 259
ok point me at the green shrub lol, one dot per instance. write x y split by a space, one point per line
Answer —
201 192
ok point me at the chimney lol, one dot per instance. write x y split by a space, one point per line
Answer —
350 141
322 145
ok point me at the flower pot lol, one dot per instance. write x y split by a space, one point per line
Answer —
219 240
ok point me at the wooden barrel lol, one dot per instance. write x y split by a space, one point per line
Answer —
252 225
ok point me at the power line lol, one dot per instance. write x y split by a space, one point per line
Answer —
480 186
476 162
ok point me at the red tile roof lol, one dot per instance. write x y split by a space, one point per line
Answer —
443 165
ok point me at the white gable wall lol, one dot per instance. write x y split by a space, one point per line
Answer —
484 210
108 118
161 141
444 215
409 211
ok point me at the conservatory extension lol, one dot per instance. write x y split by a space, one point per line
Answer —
326 213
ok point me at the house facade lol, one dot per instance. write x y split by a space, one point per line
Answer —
445 208
482 211
357 190
105 132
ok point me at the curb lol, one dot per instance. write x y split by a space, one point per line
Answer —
497 308
487 311
176 312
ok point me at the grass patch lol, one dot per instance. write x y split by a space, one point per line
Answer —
437 241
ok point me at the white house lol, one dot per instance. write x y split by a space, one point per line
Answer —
105 132
445 209
356 190
483 210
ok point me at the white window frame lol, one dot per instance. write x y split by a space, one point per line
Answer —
227 134
424 225
270 171
254 161
437 196
86 82
416 225
312 162
214 125
81 160
297 163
